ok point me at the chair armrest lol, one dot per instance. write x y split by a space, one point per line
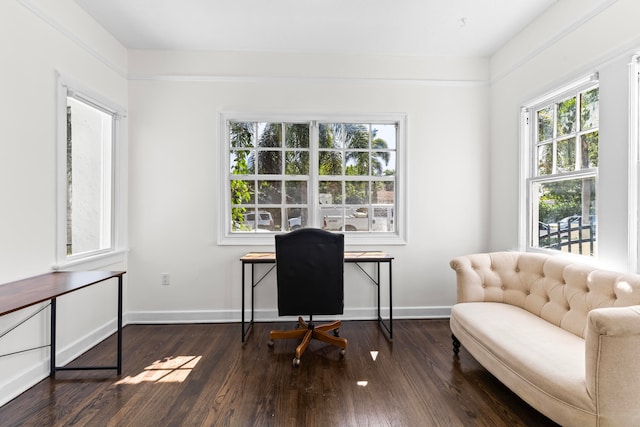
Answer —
612 348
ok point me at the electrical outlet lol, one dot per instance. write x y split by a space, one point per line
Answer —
165 279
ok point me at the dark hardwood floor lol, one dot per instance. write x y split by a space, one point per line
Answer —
201 375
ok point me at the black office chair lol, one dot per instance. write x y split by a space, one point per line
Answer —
310 276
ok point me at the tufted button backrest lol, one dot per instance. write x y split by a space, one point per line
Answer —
554 288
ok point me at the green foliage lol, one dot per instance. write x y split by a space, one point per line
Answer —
297 135
566 116
563 198
356 192
589 143
589 109
241 136
545 124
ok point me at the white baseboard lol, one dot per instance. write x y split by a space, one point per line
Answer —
271 315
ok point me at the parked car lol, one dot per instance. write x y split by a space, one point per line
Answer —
573 222
295 223
568 222
358 221
265 220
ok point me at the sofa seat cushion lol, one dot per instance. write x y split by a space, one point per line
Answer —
548 360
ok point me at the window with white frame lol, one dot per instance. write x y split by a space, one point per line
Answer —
86 175
634 161
561 134
335 174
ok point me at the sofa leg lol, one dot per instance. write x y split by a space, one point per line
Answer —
456 344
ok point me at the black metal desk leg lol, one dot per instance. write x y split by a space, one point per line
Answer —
243 265
119 364
245 331
388 327
378 286
253 286
52 359
390 303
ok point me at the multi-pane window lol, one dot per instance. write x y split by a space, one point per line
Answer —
339 176
563 140
269 175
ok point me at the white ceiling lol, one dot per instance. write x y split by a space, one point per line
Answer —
390 27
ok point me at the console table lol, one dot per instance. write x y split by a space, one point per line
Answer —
353 257
24 293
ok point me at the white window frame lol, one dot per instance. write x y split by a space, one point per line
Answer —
634 162
528 176
397 237
116 164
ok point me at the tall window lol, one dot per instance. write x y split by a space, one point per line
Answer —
330 174
86 176
562 135
89 177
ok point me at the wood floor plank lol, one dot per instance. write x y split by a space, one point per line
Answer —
201 375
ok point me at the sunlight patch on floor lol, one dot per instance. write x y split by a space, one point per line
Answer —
173 369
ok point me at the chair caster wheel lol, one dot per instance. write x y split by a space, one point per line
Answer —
336 332
296 362
270 344
343 352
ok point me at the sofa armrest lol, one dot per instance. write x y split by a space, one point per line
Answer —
471 276
612 348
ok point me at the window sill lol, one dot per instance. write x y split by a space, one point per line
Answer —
94 261
351 239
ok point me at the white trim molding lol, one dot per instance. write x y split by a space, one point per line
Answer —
634 162
214 78
271 315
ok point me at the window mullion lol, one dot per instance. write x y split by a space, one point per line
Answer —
314 174
578 146
554 167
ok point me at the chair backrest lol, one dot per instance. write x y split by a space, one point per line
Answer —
310 272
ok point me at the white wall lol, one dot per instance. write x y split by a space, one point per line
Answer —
174 102
542 58
38 39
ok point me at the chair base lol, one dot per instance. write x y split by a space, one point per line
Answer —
307 332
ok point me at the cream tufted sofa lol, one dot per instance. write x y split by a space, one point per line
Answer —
564 336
